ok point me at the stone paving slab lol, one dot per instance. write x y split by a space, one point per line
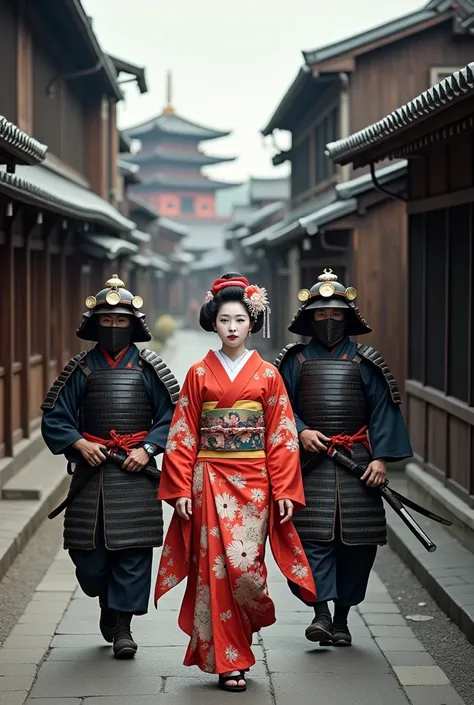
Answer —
20 518
447 574
386 663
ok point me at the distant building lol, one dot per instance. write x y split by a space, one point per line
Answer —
170 161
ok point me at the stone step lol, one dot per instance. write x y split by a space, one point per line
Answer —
33 492
24 451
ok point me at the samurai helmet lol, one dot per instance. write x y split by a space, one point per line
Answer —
113 299
328 292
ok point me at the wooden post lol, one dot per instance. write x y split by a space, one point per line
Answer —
46 303
24 321
7 339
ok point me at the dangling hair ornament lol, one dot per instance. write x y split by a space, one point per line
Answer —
209 297
256 300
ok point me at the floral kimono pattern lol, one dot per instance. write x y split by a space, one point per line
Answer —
233 449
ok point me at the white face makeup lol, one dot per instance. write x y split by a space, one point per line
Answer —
233 324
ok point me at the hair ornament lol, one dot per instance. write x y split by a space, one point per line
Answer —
256 300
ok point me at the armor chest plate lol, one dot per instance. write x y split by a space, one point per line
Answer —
331 396
115 399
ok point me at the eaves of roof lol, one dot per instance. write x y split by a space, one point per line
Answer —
74 28
452 89
300 79
140 236
44 188
16 147
108 245
364 183
139 72
139 205
315 56
172 226
157 261
213 259
343 203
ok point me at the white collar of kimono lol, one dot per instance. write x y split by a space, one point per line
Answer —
232 367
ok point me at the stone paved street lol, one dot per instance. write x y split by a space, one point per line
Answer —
55 656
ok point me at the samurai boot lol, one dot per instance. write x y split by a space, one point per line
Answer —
320 629
107 623
341 635
124 646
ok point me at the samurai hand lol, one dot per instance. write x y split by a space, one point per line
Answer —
286 510
184 508
312 441
375 473
136 460
91 452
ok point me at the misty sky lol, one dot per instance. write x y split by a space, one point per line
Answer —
232 61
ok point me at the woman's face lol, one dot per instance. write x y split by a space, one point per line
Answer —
233 324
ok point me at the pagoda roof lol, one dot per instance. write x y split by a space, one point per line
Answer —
164 181
174 124
161 154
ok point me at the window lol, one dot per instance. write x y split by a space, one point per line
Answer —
416 296
187 204
439 73
436 223
326 131
300 181
458 301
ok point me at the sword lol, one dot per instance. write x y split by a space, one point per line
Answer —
116 457
394 499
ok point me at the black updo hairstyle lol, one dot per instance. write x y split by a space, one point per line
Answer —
209 311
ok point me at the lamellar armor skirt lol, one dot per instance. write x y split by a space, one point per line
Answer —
131 514
331 399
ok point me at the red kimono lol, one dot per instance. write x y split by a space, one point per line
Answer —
233 449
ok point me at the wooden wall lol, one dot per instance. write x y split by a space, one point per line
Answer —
44 280
388 77
380 277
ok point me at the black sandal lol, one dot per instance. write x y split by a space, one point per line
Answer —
223 680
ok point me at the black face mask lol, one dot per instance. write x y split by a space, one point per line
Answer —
114 339
329 331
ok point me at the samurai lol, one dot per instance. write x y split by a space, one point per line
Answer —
114 398
345 397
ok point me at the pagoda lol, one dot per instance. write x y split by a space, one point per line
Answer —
170 161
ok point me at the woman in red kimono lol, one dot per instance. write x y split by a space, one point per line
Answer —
231 471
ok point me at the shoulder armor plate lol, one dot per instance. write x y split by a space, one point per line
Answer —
375 358
291 347
163 373
57 386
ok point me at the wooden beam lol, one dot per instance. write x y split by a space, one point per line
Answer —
24 321
7 338
46 301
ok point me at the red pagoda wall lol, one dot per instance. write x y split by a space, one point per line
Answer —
169 204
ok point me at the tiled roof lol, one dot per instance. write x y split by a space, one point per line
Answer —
452 89
18 147
262 190
315 56
45 188
112 247
173 124
174 181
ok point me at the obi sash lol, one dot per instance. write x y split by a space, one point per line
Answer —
238 431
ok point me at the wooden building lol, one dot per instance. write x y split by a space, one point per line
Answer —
435 133
339 89
60 235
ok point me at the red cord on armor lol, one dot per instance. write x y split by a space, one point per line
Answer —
348 441
126 442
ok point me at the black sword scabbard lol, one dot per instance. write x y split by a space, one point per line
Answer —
387 494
